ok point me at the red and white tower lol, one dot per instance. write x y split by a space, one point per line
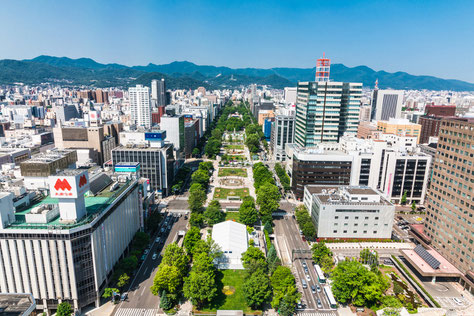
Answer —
323 66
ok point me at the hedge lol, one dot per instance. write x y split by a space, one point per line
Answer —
267 240
419 285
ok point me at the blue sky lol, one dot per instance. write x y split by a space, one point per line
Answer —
419 37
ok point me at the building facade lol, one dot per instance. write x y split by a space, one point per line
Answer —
140 105
345 212
282 133
400 127
325 111
450 208
386 104
65 251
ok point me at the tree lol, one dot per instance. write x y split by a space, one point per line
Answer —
152 222
257 289
268 227
201 176
174 255
209 247
213 213
165 302
413 206
128 264
305 222
327 264
200 286
196 199
319 250
196 219
268 198
369 257
213 147
285 294
252 142
191 238
206 165
109 292
254 259
123 280
247 212
195 152
141 240
167 278
272 259
64 309
353 283
403 200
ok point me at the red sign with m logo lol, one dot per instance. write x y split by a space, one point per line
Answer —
62 185
82 180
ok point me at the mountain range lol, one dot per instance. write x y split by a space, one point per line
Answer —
187 75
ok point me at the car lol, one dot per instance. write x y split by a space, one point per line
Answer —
300 306
318 288
157 240
304 263
457 300
143 258
301 232
308 277
154 256
360 309
162 230
146 251
185 216
124 296
319 303
313 289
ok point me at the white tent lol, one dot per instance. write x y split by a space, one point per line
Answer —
233 240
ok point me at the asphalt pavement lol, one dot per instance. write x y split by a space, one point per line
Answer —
287 226
140 299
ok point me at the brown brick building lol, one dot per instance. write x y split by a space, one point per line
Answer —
440 110
450 202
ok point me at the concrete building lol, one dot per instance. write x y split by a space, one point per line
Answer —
140 105
400 127
440 110
66 112
290 95
64 247
191 136
386 104
158 92
90 138
325 111
174 127
449 221
282 133
429 127
263 115
345 212
232 238
368 130
391 164
17 304
156 163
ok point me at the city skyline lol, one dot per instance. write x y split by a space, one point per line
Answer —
383 36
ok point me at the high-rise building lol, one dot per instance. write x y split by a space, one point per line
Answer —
158 91
450 206
323 67
282 133
140 105
325 111
431 122
386 104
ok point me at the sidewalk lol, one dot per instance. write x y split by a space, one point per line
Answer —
106 309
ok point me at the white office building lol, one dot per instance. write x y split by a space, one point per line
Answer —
340 212
140 105
386 104
63 248
283 132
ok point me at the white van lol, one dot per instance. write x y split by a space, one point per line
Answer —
305 285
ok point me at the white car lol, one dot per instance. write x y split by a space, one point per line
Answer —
146 251
154 256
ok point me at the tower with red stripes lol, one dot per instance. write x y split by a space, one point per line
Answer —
323 66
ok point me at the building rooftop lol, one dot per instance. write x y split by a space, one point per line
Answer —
445 269
16 304
95 205
346 195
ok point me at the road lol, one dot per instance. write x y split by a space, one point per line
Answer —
140 300
287 227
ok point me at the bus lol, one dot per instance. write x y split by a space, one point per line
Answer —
320 274
330 297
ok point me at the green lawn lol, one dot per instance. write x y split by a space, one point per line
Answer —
237 147
222 194
230 294
232 216
237 172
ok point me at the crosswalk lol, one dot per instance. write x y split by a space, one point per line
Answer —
136 312
316 314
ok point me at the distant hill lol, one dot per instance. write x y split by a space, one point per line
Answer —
187 75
